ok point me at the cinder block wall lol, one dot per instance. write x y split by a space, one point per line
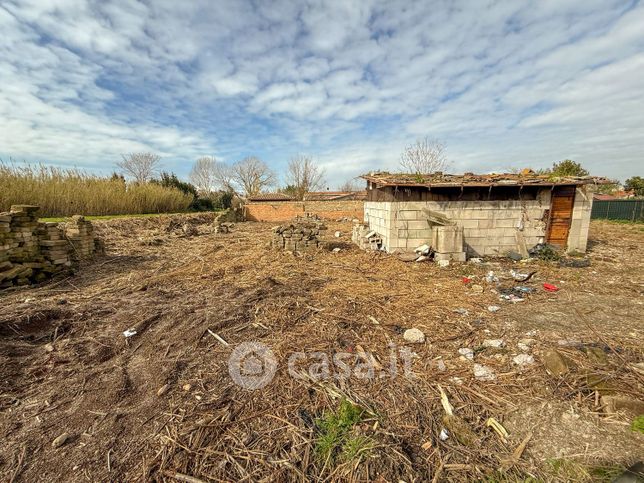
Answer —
287 210
32 251
489 227
578 235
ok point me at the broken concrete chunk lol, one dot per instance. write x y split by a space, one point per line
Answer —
414 336
443 263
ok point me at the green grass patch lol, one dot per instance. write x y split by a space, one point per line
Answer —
638 424
337 442
569 470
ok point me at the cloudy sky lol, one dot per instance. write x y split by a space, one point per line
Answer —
501 83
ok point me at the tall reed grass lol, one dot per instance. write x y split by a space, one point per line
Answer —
65 192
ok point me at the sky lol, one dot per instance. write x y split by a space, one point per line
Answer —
501 83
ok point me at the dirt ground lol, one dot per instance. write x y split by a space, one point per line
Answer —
161 405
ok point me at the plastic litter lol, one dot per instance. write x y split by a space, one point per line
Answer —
550 288
129 332
491 278
444 434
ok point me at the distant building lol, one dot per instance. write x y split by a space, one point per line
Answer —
478 215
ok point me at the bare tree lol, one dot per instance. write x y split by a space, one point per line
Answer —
202 174
224 177
252 175
140 166
424 157
350 186
303 175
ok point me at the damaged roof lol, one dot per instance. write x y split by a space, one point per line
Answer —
335 195
438 179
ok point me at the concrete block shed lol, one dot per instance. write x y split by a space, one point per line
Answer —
488 215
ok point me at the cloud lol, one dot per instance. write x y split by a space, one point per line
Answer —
502 83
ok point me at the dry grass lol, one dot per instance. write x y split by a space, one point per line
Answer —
103 389
65 192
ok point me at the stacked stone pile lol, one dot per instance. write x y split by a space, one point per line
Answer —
297 237
53 245
80 234
31 252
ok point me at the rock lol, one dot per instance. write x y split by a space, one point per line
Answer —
556 364
523 360
626 404
528 342
475 260
493 308
414 336
523 347
440 365
466 352
187 387
336 250
163 389
338 234
483 373
443 263
60 440
477 288
497 343
49 347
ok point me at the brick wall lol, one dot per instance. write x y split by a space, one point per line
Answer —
287 210
489 227
32 251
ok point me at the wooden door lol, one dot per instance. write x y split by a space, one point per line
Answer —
563 199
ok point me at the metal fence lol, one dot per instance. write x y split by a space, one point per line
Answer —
631 210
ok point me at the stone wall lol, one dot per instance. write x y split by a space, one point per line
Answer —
32 251
287 210
490 228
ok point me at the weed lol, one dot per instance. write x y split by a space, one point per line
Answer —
638 424
335 442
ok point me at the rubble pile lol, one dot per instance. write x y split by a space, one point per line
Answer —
31 251
297 237
365 237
